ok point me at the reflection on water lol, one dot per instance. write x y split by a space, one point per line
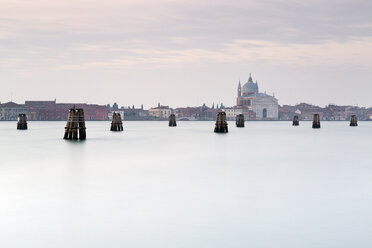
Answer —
266 185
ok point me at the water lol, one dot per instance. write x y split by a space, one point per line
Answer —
266 185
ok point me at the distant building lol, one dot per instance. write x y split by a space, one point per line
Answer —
210 114
303 110
263 105
331 112
231 113
202 113
137 114
52 111
188 113
36 107
160 112
10 111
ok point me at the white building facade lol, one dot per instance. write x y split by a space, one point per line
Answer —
263 105
160 112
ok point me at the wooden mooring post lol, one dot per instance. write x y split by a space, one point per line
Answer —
75 127
221 123
353 121
22 122
296 121
172 120
239 120
316 121
116 124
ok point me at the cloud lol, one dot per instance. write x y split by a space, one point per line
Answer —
216 22
90 35
82 57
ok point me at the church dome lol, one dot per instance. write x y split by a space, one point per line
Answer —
250 87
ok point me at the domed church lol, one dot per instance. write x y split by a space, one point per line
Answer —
265 106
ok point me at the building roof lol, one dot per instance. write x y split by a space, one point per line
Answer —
161 107
250 87
12 105
39 103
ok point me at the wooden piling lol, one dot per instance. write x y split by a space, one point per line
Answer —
353 121
221 123
239 120
75 128
296 121
22 122
172 120
116 124
316 121
82 128
68 126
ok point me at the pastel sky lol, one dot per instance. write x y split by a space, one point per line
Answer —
185 53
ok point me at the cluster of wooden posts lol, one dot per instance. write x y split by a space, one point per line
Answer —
221 123
316 121
22 122
116 124
353 121
172 120
75 128
296 121
239 120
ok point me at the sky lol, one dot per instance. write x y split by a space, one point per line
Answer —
185 53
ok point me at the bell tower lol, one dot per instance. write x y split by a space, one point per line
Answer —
239 94
239 89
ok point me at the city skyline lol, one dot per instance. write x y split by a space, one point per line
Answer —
126 105
190 53
251 105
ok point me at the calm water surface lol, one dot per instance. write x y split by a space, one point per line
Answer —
266 185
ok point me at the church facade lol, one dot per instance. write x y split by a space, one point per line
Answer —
263 105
